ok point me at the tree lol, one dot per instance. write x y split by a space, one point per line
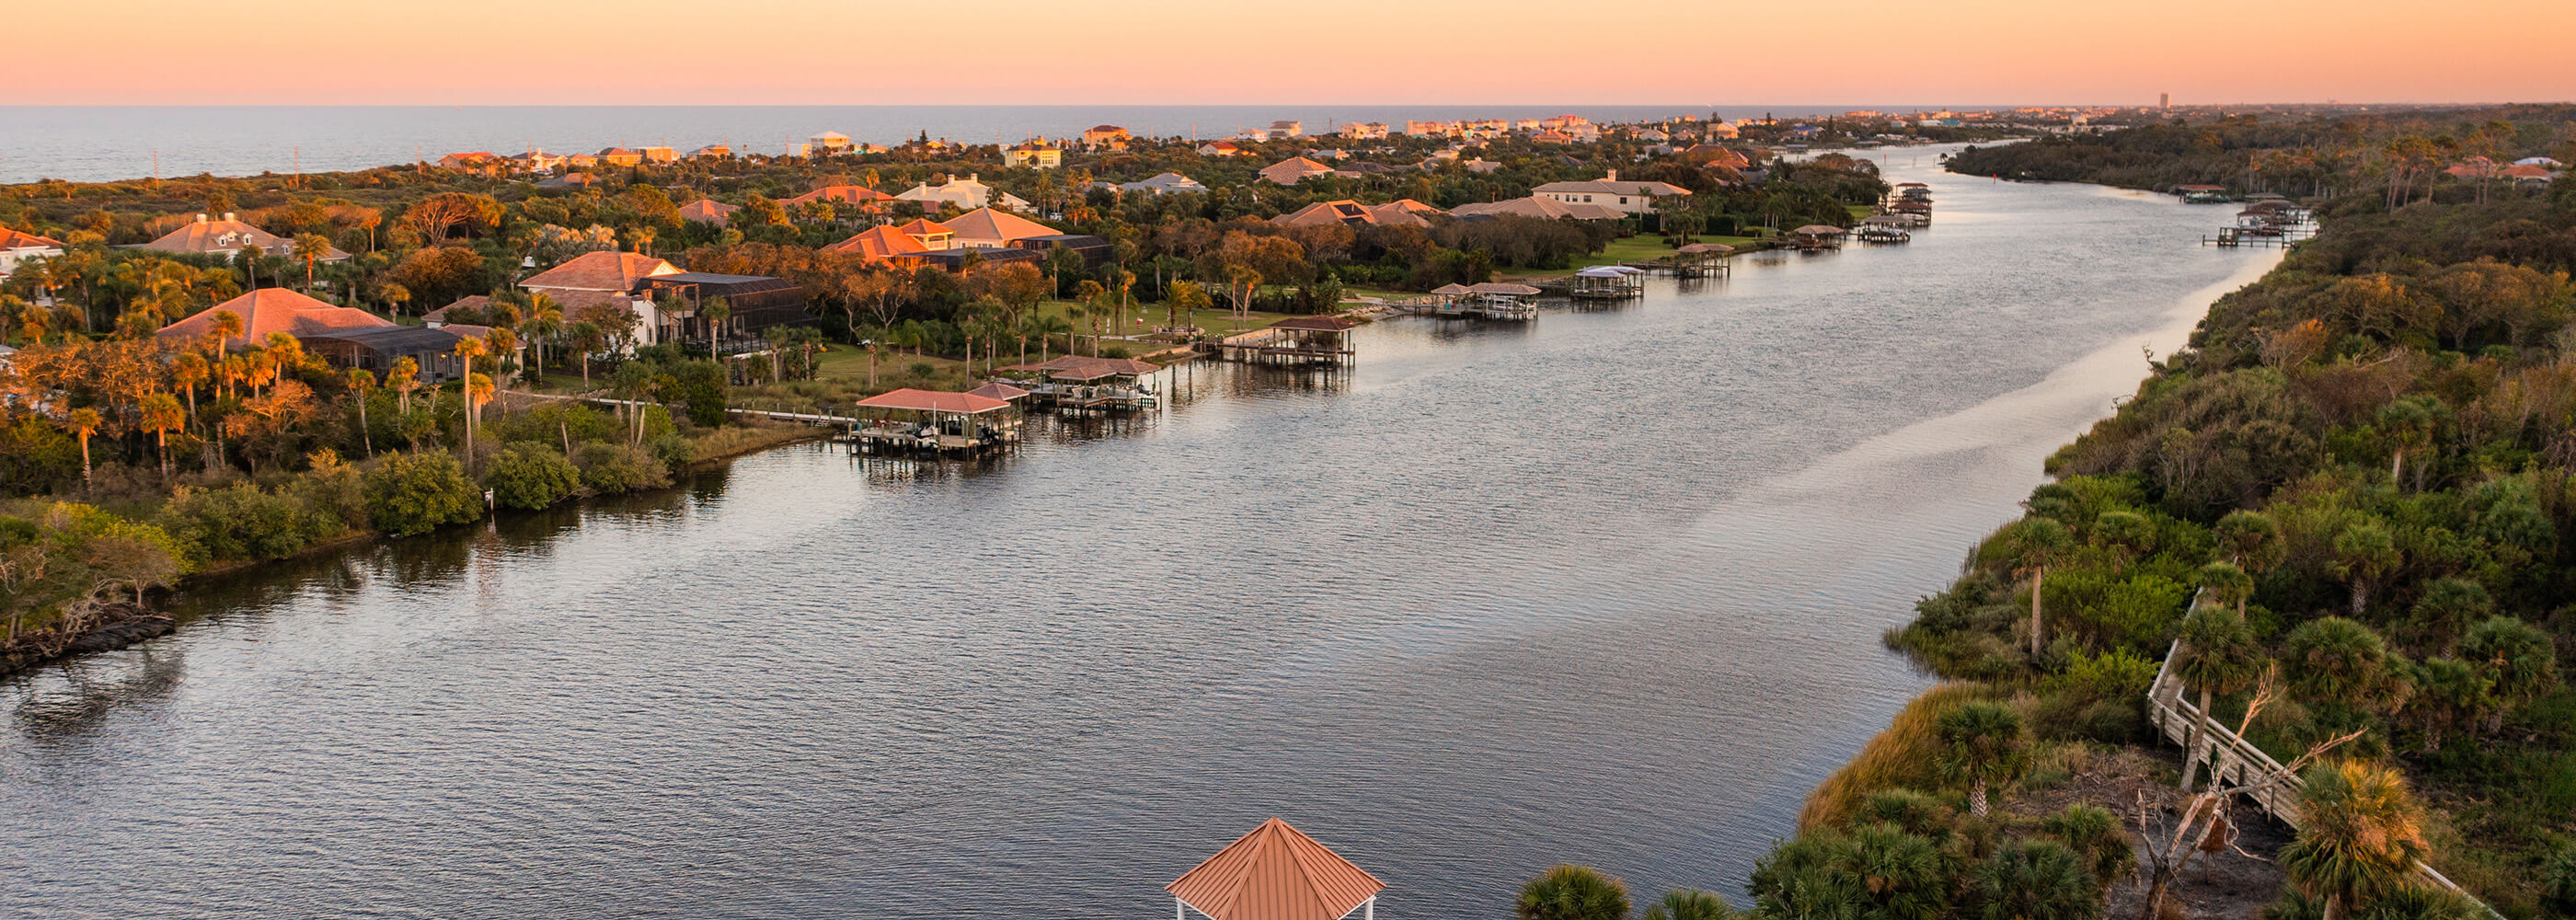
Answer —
1982 742
404 378
2364 553
2408 426
531 476
412 493
2127 534
2515 657
1572 893
83 423
2034 544
2216 654
361 382
2036 880
715 312
1186 299
478 390
469 348
311 248
2448 693
2449 604
2251 540
2337 660
1690 904
2363 834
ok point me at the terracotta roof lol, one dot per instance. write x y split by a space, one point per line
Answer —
1000 391
601 271
1647 188
1543 208
922 226
848 194
205 237
708 210
1275 873
989 224
475 302
1316 323
933 401
1293 170
20 239
879 243
268 310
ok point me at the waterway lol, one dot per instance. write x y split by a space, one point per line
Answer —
1607 589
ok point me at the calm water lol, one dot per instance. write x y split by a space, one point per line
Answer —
1607 589
104 143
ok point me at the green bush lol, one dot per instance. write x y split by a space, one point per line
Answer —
243 521
674 451
36 457
2558 881
702 388
610 469
413 493
529 475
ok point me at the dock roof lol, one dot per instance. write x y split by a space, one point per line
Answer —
933 401
1276 873
1317 323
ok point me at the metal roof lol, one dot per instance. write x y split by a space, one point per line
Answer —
933 401
1276 873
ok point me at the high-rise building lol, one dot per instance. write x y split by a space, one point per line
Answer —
2164 100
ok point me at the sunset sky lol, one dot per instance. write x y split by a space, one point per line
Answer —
1356 51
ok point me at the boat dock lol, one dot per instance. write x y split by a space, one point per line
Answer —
1312 341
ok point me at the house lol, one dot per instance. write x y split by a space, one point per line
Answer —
1714 155
987 228
1285 129
1222 149
376 349
621 156
660 155
18 245
1164 184
1105 137
267 310
1634 197
580 161
931 234
1720 131
712 152
536 162
1430 128
1294 170
963 194
1275 873
709 211
883 246
606 278
754 304
862 196
1538 207
1094 251
568 182
227 237
828 143
1034 155
479 162
1366 131
1405 213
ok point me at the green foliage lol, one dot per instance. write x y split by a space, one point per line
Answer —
244 521
2097 837
36 457
529 476
702 389
1572 893
1920 813
1690 904
414 493
2337 660
2558 880
1981 743
2517 658
2036 880
1873 872
610 469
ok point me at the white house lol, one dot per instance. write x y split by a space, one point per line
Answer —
1164 184
612 278
18 245
1632 197
828 143
965 194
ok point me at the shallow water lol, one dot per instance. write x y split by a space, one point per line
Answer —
1605 589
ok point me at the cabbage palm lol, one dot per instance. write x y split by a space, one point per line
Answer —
2216 654
2363 832
1572 893
2036 880
1690 904
1982 743
2034 544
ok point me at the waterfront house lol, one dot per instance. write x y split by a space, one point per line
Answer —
1365 131
755 304
1105 137
1164 184
883 246
963 194
1403 213
268 310
1283 129
606 278
621 156
376 349
709 211
1275 873
1034 155
1222 149
1294 170
1430 128
536 162
660 155
988 228
827 144
18 245
1534 206
1631 197
227 238
931 234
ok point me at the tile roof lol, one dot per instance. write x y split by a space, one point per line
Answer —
20 239
1615 187
708 210
209 237
1543 208
848 194
878 244
268 310
1293 170
933 401
989 224
601 271
1275 873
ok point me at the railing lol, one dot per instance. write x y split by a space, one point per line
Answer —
2234 759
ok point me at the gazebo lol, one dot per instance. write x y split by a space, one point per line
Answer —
1275 873
936 421
1819 236
1698 259
1452 297
1606 282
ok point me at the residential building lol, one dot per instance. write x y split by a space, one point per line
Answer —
621 156
1430 128
1720 131
1164 184
18 245
882 246
1034 155
1222 149
606 278
479 162
932 235
1365 131
1403 213
1294 170
963 194
1633 197
712 152
267 310
1105 137
709 211
226 237
987 228
828 143
754 305
1534 206
1280 130
660 155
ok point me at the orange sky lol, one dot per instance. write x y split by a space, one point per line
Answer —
857 52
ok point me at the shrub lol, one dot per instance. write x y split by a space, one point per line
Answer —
242 521
331 491
36 457
702 387
413 493
674 451
529 475
614 468
2558 881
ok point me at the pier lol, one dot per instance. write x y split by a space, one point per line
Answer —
1296 341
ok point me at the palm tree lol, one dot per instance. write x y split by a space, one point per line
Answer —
2516 657
715 312
2251 540
478 390
404 378
2448 693
2337 660
1982 743
2034 544
2364 553
469 348
161 413
504 345
361 381
311 247
84 422
2449 604
189 371
2217 654
2363 834
1690 904
2036 880
1572 893
545 319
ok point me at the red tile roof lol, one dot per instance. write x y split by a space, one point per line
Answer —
877 244
270 310
921 226
601 271
206 237
989 224
708 210
1275 873
933 401
20 239
848 194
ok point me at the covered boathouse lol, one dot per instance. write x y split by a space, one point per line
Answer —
934 422
1275 873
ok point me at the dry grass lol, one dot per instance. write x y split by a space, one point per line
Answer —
735 440
1905 755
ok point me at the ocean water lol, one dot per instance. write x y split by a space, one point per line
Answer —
103 143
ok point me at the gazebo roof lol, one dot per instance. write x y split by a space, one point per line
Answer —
1000 391
933 401
1819 230
1275 873
1706 247
1451 289
1316 323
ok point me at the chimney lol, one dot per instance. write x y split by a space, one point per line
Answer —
228 215
1614 176
201 218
